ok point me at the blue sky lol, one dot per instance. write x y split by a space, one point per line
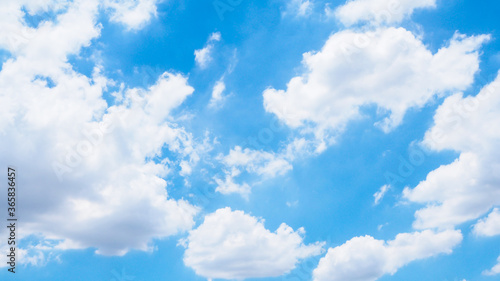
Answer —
275 140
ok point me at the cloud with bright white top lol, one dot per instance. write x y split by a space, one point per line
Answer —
94 167
469 187
489 226
133 14
355 69
367 259
234 245
379 11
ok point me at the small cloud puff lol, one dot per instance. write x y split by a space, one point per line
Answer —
203 56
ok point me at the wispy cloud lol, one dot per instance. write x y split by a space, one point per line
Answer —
204 56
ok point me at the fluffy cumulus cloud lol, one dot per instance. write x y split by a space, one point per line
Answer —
90 162
378 11
203 56
134 14
228 185
367 259
468 187
490 226
233 245
388 67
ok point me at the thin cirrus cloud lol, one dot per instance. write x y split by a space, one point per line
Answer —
381 193
298 8
234 245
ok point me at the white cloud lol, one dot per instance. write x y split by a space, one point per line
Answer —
256 162
14 34
379 11
107 183
203 56
380 194
93 167
134 14
493 271
229 186
329 13
298 8
76 21
214 37
469 187
367 259
380 226
267 165
259 162
186 168
490 226
48 45
33 254
300 147
234 245
388 67
217 94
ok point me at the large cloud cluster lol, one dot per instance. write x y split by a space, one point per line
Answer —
90 162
